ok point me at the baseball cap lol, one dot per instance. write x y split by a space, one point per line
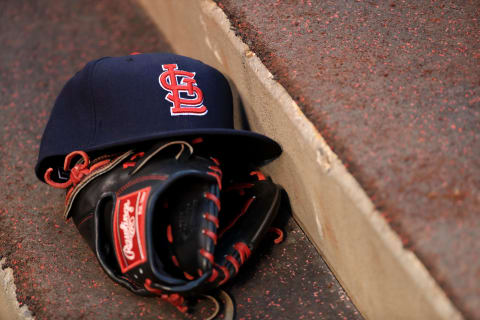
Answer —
121 101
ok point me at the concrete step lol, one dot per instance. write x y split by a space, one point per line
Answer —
377 108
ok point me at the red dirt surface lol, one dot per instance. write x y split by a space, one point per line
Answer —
394 88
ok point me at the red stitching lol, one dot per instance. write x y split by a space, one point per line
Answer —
86 218
279 232
211 218
200 272
213 276
226 274
69 194
211 196
141 179
216 169
207 255
243 251
175 261
197 140
234 262
212 235
128 164
219 180
239 186
137 155
175 299
242 212
148 286
189 277
169 233
259 175
215 160
77 173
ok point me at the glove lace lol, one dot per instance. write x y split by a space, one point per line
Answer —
174 298
77 173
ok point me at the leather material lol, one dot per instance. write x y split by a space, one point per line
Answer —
249 208
163 221
183 183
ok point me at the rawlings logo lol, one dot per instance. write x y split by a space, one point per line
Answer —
129 229
184 94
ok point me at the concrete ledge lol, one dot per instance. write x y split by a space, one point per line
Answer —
384 280
9 307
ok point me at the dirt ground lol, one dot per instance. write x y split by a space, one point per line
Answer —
394 89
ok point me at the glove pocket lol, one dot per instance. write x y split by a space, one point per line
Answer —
184 226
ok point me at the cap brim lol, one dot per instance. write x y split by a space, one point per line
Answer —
237 145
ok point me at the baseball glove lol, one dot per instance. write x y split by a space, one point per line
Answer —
167 221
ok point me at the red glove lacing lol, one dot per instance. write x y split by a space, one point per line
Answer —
77 173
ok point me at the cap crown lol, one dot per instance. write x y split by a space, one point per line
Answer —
119 101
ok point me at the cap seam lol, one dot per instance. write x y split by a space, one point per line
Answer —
92 97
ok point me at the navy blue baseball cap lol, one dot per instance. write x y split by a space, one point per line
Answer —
121 101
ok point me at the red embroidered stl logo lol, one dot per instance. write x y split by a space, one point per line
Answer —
191 102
